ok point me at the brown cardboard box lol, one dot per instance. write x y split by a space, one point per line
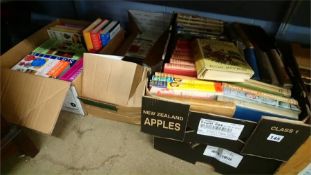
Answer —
33 101
113 89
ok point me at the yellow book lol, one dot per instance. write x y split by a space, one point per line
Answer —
87 36
220 61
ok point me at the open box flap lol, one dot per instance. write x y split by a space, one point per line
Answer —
108 79
276 138
31 101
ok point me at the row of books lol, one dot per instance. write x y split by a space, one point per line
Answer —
252 98
181 61
98 34
261 54
221 74
198 26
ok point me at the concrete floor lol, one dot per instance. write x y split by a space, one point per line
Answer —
91 145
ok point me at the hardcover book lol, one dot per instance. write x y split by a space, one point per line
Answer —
95 35
220 61
87 36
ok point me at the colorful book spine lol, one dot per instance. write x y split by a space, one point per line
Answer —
181 61
96 41
262 94
180 69
55 57
61 70
247 110
106 37
55 68
49 65
87 36
160 88
241 95
265 87
105 33
73 72
159 76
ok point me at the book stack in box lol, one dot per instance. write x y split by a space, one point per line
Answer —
219 89
98 34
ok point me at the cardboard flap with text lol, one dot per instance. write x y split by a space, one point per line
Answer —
32 101
276 138
164 118
108 79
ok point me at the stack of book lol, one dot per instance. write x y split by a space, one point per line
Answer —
261 54
55 59
98 34
255 99
198 26
181 61
226 71
163 84
59 57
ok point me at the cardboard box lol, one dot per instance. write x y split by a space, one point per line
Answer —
113 89
33 101
222 160
271 137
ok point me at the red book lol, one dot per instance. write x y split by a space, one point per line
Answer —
95 35
179 69
182 57
182 61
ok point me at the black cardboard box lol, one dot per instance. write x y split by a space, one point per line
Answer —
170 120
223 160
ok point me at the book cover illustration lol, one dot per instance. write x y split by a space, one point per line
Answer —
220 57
35 65
59 48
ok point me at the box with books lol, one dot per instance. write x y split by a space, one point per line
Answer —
40 99
224 109
111 96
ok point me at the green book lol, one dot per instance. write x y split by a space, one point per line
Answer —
64 49
220 61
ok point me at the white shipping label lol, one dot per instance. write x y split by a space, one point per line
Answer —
275 137
219 129
222 155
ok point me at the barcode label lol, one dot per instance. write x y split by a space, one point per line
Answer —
222 155
275 137
219 129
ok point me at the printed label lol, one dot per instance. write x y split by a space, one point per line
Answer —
275 137
223 155
219 129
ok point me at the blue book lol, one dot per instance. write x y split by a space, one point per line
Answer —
250 57
109 32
